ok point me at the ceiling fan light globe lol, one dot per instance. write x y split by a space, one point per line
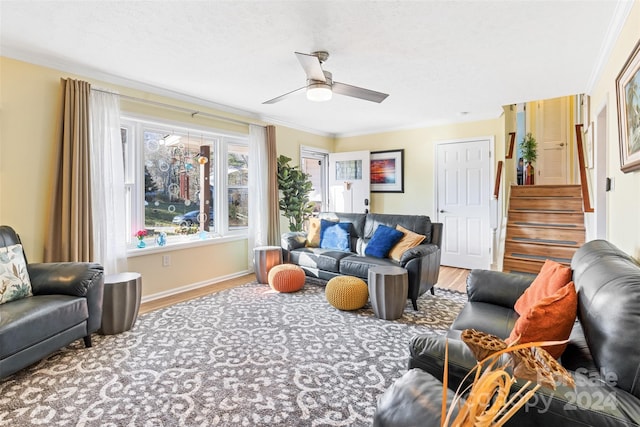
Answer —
319 92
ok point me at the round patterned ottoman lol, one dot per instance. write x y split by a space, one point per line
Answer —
347 292
286 278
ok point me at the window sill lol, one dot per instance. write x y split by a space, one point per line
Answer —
153 248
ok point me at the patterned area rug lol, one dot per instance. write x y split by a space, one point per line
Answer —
245 356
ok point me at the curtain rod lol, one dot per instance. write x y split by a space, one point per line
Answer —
175 107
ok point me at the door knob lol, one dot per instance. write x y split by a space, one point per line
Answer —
442 211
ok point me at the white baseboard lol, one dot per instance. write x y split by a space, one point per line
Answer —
192 286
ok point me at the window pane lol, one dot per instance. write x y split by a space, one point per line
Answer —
172 183
237 181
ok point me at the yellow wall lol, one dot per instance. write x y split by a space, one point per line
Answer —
30 109
419 154
623 203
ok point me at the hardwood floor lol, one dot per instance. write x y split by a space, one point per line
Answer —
453 278
450 278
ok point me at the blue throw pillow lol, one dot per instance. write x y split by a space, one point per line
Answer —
382 241
335 235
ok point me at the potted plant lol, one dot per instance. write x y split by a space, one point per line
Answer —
528 148
294 186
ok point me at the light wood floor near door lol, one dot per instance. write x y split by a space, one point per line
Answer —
450 278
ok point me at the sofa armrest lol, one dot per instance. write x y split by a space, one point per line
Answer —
496 287
419 251
293 240
66 278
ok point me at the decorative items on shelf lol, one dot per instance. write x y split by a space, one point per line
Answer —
141 234
528 147
161 238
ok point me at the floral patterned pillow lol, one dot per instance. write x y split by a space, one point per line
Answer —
14 278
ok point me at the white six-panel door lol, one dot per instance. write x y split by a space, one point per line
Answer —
463 175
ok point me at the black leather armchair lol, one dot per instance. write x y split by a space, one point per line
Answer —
603 353
66 305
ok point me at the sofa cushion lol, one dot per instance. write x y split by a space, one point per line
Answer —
486 317
358 265
318 258
31 320
384 238
420 224
409 240
550 279
14 277
335 235
550 319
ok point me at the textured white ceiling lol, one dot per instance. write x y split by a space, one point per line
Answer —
435 58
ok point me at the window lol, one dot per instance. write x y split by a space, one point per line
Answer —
177 180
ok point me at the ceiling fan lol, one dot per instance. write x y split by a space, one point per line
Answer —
320 85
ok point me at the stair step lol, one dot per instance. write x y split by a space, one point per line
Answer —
524 249
560 236
541 258
546 190
546 217
553 204
519 265
544 224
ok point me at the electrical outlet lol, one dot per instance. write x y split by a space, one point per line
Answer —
166 260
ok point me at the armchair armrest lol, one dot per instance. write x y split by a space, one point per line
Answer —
293 240
81 279
66 278
496 287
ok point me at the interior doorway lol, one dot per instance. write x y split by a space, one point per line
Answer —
314 162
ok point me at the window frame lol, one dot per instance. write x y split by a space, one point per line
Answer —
133 157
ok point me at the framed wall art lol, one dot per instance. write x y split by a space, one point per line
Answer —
628 100
387 171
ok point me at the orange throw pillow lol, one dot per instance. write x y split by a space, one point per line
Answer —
552 276
408 241
551 319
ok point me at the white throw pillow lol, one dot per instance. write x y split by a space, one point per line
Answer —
14 278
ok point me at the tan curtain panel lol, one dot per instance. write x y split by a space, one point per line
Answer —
70 229
273 233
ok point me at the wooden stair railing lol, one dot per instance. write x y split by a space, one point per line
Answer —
496 187
512 141
583 170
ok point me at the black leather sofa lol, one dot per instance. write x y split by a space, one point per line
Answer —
421 262
603 354
66 305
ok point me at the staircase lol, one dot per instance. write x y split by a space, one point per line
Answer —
544 221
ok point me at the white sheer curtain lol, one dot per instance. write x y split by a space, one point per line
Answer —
258 189
107 182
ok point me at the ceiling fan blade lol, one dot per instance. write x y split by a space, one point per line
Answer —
311 65
359 92
281 97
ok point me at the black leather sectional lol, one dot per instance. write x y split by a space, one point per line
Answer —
421 262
